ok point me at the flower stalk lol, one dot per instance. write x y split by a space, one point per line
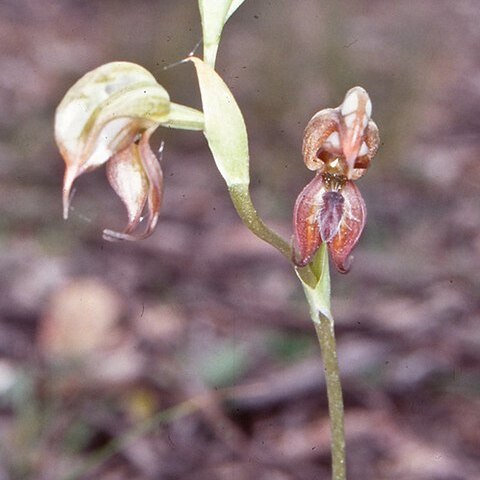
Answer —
242 202
326 337
324 325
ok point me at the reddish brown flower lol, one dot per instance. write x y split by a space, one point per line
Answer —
338 144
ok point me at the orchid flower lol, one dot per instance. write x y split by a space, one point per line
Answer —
338 145
107 117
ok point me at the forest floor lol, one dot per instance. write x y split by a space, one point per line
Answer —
191 355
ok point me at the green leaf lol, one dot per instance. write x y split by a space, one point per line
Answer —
233 6
318 296
214 15
224 126
185 118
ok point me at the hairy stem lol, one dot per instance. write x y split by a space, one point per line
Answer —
326 337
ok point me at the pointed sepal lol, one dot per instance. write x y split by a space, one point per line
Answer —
136 176
351 227
127 177
306 229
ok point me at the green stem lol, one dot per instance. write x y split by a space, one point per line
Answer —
210 53
326 337
243 205
242 202
323 324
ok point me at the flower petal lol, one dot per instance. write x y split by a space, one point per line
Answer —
351 227
155 179
316 144
355 112
306 239
128 178
370 145
151 195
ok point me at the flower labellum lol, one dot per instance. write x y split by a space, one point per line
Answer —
331 214
338 144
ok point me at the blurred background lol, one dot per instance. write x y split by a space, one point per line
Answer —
191 355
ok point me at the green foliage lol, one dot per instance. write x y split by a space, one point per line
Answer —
224 126
215 14
318 295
